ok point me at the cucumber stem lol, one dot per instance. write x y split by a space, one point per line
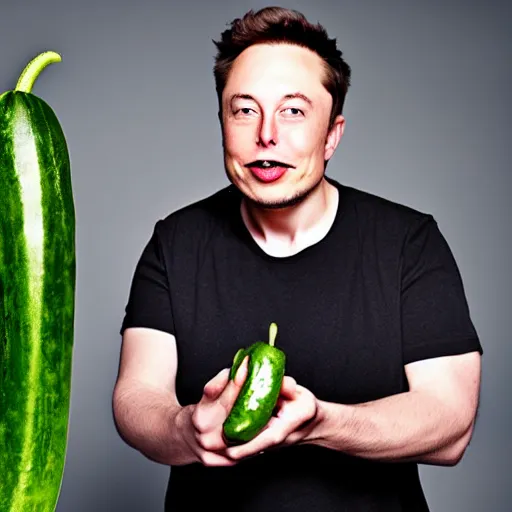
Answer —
272 333
33 69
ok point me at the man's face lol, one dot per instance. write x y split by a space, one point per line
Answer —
275 114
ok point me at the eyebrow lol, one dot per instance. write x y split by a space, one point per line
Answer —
285 97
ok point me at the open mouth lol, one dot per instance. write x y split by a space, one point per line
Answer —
268 164
268 170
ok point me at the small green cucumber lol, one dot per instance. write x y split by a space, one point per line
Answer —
259 394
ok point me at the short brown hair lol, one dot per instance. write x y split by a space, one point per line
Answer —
279 25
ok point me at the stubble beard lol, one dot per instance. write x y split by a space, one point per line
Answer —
278 204
287 202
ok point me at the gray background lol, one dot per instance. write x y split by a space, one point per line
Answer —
428 125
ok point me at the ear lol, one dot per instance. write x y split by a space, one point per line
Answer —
219 115
334 137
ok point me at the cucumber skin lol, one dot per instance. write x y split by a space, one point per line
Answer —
33 483
243 424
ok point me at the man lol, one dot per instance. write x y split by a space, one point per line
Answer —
383 362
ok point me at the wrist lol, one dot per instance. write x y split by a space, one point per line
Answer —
183 435
329 422
322 422
316 426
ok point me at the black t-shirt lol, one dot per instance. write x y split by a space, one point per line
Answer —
380 290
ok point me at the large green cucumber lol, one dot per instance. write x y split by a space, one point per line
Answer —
37 297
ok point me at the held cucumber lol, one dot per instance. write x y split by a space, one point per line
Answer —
259 394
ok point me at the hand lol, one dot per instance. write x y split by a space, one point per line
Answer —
206 418
297 411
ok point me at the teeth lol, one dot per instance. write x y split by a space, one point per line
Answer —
266 163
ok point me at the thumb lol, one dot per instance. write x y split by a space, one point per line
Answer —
228 397
241 373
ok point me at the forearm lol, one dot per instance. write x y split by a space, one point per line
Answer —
152 422
408 426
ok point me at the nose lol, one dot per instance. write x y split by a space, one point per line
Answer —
267 132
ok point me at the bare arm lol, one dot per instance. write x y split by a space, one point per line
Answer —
432 423
148 415
146 411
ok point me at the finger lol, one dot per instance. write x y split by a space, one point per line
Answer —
289 387
212 440
215 459
279 404
216 385
291 416
214 407
230 393
299 410
272 436
241 373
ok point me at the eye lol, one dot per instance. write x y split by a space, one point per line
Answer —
294 112
244 111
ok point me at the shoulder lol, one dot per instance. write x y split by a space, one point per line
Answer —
377 207
199 220
377 214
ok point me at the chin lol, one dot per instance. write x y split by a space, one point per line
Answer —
280 201
272 196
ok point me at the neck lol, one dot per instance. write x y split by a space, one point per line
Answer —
286 231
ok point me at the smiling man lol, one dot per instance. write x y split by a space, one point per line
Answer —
383 361
278 136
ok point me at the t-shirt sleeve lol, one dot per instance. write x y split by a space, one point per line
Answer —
149 301
435 315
